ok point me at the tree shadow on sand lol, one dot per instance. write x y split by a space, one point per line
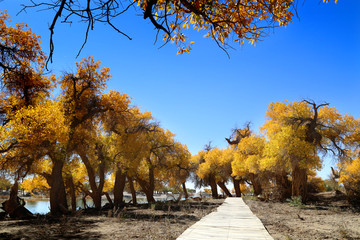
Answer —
50 228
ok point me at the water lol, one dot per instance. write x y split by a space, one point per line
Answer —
38 206
42 206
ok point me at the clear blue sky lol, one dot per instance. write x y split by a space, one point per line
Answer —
201 96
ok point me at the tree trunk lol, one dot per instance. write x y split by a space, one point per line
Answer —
70 183
148 185
186 195
120 180
108 198
224 188
58 203
149 195
237 187
84 200
96 197
96 189
214 192
15 205
146 188
299 183
256 184
283 186
132 189
151 185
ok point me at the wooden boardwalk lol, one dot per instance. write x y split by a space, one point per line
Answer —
232 220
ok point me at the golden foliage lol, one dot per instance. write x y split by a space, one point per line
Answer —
350 176
81 91
215 163
20 45
32 126
248 156
35 184
288 146
222 20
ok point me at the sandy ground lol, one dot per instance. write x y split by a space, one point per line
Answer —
327 216
130 223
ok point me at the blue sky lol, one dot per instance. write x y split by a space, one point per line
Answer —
201 96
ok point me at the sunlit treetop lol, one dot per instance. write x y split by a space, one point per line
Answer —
248 155
21 64
223 21
89 79
318 124
18 45
118 114
217 163
81 91
177 164
298 131
279 113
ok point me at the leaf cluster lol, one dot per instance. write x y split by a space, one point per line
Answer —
222 21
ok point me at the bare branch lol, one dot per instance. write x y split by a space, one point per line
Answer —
52 27
239 134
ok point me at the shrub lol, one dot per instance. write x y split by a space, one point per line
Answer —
296 202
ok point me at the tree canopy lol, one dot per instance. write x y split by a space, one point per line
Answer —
222 21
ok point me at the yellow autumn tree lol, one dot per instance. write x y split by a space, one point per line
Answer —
276 164
215 168
160 143
350 177
128 144
75 177
35 184
178 167
40 131
34 128
80 102
315 183
298 132
117 121
93 153
206 178
247 159
349 165
24 86
20 48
